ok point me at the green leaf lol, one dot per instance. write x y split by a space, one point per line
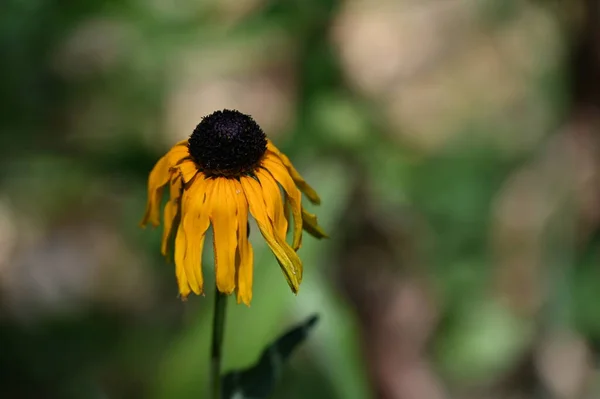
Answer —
258 381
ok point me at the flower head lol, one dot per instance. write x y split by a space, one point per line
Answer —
226 171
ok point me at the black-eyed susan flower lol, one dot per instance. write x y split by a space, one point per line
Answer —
226 171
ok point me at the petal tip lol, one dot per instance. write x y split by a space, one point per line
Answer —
227 290
245 302
146 221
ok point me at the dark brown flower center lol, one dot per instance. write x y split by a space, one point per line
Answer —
227 143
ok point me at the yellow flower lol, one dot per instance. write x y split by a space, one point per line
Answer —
227 170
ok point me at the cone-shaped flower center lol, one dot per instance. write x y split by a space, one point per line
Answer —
227 143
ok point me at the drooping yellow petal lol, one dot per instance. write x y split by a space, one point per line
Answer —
281 175
288 259
180 248
286 209
195 222
223 217
159 177
171 212
272 196
188 170
245 255
310 193
310 224
178 153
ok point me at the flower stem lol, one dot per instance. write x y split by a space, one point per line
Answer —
218 330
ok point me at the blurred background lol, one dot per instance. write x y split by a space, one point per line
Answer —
455 145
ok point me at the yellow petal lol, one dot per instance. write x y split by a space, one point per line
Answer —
272 196
311 226
224 221
188 170
159 177
178 153
171 211
180 247
286 208
195 222
310 193
245 255
281 175
286 257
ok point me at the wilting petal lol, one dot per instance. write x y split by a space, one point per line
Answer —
195 222
188 170
272 196
287 258
180 247
245 255
309 223
159 177
286 209
224 221
281 175
178 153
310 193
171 211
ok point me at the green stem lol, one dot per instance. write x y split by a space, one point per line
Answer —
218 330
